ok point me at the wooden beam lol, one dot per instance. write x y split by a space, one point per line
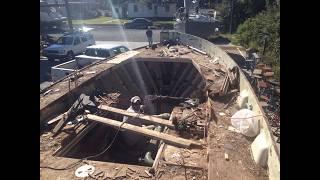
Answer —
56 118
212 166
146 118
157 158
76 140
169 139
160 151
183 165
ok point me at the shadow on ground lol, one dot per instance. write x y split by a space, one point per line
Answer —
238 59
219 40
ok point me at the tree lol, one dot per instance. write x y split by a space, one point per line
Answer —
264 27
242 10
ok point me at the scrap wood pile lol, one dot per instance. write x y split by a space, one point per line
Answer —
173 51
221 81
108 99
268 92
83 105
190 122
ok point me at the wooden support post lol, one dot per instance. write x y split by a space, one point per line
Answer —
169 139
146 118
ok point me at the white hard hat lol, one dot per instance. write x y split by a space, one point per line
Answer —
135 99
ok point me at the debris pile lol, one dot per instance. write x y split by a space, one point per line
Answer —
173 51
268 91
223 82
190 122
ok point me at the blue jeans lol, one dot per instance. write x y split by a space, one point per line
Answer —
150 41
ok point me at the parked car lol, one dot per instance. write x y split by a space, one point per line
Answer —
102 52
140 23
69 45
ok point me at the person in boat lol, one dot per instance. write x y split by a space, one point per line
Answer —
130 138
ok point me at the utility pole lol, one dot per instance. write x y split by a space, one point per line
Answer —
69 15
186 6
231 17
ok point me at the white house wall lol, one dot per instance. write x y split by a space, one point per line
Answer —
144 11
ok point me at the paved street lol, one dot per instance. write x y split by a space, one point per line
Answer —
117 33
133 38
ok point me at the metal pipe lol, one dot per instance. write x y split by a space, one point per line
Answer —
147 159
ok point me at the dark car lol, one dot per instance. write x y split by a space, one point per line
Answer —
139 23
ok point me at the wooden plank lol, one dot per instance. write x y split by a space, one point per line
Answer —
212 169
56 118
183 165
146 118
232 78
268 74
229 102
158 157
197 50
225 86
257 71
65 116
169 139
76 140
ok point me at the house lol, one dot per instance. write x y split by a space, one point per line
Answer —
79 9
145 9
50 15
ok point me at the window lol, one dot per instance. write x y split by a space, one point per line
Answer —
139 21
97 52
150 6
167 7
91 52
103 53
135 8
116 51
65 40
123 49
77 41
117 10
84 39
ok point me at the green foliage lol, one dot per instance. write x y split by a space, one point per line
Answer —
242 10
254 31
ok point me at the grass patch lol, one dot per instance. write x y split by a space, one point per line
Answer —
163 22
111 21
100 20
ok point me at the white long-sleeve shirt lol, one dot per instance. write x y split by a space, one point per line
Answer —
129 137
